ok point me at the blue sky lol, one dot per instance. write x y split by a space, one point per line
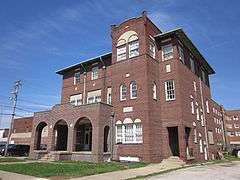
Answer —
37 38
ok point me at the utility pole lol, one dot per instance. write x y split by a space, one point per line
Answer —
14 99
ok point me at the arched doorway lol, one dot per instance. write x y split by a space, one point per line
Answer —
83 135
106 142
39 134
60 135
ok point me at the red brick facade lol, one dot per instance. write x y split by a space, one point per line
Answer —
183 126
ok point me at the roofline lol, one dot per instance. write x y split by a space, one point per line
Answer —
60 71
180 30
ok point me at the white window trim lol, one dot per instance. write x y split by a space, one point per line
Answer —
75 79
121 95
153 51
166 91
170 57
131 90
124 52
94 74
129 49
154 91
181 54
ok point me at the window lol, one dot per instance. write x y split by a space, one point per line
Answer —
123 92
133 90
194 86
203 76
76 78
133 49
94 72
109 95
192 65
152 50
210 137
207 107
201 145
192 107
167 52
236 126
181 54
237 133
129 131
229 126
195 135
121 53
94 96
119 132
76 100
198 115
154 91
170 90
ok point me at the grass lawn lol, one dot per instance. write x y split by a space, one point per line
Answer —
67 169
10 159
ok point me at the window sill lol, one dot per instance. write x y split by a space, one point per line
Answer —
130 143
169 100
167 59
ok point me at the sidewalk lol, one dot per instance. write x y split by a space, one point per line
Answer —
132 173
14 176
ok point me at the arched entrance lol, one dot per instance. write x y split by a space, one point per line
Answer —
106 143
83 135
39 134
60 135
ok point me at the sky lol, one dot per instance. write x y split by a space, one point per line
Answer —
39 37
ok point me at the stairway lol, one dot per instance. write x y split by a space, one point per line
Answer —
173 160
47 157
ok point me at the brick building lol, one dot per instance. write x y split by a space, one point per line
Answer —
147 100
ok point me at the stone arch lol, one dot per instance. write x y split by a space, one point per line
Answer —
39 134
60 135
82 138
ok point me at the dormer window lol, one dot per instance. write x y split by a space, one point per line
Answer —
76 78
167 52
94 73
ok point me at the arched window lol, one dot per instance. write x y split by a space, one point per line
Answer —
123 92
133 90
154 91
133 46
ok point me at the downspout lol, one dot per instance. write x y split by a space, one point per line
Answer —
84 87
204 118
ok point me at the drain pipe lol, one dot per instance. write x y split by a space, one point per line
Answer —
204 118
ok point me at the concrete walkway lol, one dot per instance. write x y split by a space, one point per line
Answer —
14 176
132 173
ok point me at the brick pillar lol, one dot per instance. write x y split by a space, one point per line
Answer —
97 142
182 142
51 139
70 142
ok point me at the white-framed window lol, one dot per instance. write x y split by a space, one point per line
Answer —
197 113
76 79
76 99
139 137
129 131
210 137
154 89
133 90
170 90
94 72
192 107
229 126
94 96
119 133
235 118
167 52
194 86
236 126
121 53
181 54
109 95
123 92
237 133
152 49
195 135
201 145
207 107
192 65
133 48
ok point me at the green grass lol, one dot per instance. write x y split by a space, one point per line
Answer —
10 159
67 169
231 158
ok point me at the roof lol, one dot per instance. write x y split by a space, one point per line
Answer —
182 35
91 60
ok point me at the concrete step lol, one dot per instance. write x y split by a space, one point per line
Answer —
173 160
